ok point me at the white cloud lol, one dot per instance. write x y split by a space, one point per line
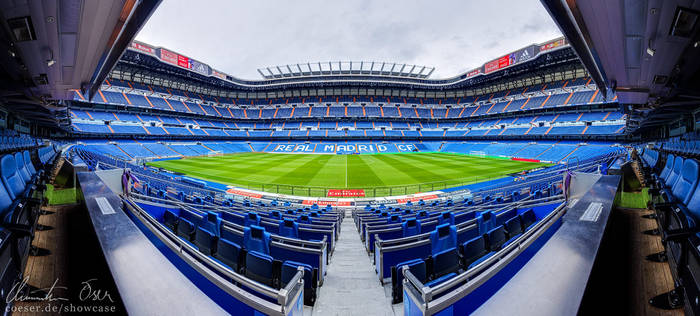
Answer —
237 37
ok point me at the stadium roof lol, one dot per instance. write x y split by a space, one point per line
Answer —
50 48
647 51
163 59
330 68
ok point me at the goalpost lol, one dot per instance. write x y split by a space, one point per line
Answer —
478 153
215 153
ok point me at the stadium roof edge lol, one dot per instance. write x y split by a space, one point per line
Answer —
330 68
517 57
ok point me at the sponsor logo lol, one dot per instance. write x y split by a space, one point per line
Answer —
346 193
142 47
417 198
324 203
244 193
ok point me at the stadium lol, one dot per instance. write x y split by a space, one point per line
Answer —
559 178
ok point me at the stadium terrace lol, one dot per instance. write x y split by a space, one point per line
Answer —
546 181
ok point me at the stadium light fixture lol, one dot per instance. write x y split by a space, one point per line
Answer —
50 61
650 51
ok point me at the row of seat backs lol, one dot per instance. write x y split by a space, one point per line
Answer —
494 239
18 178
15 175
681 176
445 217
485 221
253 259
14 142
447 257
255 238
46 153
287 227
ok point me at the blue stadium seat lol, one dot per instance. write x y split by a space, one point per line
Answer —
687 181
7 204
485 221
496 237
445 256
442 238
255 238
528 219
170 220
28 163
289 269
275 215
259 267
514 227
445 262
474 251
670 159
228 253
417 267
411 227
212 223
185 229
13 181
205 241
515 196
289 228
251 218
446 218
304 219
502 217
393 219
675 172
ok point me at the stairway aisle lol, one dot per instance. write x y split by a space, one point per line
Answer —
351 286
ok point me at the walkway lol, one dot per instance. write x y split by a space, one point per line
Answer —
351 286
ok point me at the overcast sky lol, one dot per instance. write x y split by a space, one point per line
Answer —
238 37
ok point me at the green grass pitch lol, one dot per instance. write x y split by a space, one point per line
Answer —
378 174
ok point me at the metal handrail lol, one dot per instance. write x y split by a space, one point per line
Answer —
475 276
282 296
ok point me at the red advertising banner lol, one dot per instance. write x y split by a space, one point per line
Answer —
504 61
143 48
183 61
497 64
553 44
473 72
218 74
168 56
491 66
524 159
244 193
324 203
346 193
417 198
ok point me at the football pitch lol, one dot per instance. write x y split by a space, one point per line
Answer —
377 174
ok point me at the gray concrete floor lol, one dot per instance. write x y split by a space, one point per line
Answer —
351 286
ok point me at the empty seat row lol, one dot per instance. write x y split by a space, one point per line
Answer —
674 188
251 259
21 195
448 258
